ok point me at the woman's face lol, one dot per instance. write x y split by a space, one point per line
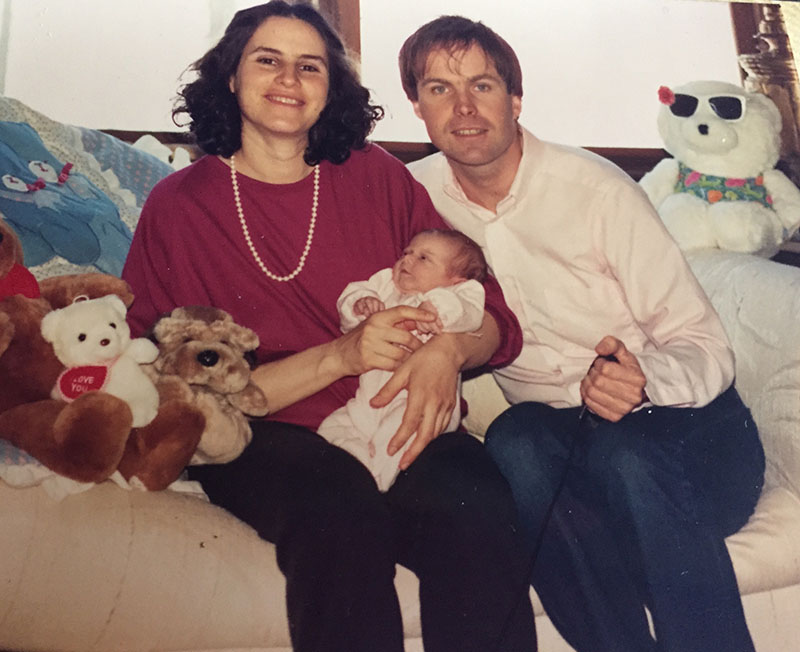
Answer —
281 82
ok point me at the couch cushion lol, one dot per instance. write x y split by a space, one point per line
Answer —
111 569
766 551
485 402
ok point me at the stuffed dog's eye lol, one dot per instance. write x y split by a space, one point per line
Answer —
82 337
112 324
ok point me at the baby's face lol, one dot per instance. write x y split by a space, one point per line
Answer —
425 264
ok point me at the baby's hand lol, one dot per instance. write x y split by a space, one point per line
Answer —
435 327
366 306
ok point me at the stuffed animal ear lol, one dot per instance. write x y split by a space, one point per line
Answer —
51 324
250 400
242 338
116 303
768 107
167 330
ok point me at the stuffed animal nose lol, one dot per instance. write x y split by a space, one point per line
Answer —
208 358
703 129
105 342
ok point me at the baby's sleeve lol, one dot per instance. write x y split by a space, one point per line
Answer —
374 286
460 306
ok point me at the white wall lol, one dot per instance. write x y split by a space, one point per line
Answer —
591 67
107 63
5 11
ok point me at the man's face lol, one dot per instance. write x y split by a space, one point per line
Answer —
466 107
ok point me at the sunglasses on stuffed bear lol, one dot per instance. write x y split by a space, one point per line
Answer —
727 107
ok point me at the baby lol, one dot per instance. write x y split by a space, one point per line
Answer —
441 272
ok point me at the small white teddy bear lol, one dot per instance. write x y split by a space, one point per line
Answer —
721 189
92 339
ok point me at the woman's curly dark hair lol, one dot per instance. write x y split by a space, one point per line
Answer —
215 117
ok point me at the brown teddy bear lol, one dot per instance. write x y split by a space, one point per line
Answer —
91 437
203 358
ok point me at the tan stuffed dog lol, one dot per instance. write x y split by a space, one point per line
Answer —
202 356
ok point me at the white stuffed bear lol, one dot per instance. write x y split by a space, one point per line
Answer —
92 339
721 189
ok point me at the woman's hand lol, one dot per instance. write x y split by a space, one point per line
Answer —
431 378
380 341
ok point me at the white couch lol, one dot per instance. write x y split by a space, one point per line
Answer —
110 569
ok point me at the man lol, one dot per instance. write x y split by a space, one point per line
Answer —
628 451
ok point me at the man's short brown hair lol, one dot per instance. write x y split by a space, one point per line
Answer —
456 34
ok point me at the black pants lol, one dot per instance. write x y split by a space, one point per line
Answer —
450 518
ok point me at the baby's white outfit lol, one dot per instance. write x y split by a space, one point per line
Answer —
365 431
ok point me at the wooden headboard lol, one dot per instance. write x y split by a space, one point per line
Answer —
635 161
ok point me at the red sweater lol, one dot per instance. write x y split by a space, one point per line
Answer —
188 249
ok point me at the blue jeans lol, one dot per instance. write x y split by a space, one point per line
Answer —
621 516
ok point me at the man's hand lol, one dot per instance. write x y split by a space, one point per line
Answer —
379 342
613 389
431 377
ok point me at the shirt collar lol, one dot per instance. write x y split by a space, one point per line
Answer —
531 152
451 186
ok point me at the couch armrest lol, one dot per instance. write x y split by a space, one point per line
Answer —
759 303
485 401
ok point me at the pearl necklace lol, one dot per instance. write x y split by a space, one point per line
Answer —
249 240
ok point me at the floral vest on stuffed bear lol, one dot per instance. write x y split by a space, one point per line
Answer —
714 189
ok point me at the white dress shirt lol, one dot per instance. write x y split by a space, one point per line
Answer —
580 253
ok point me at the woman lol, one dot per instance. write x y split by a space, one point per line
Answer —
287 208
